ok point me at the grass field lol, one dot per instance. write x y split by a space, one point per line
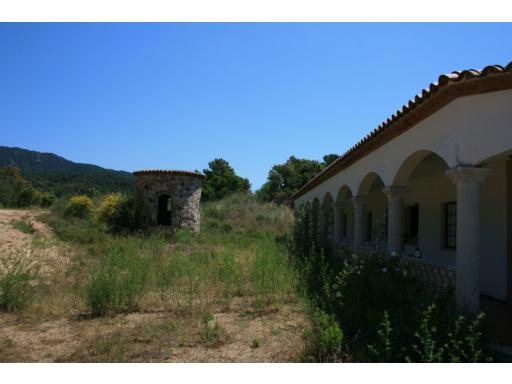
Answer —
227 294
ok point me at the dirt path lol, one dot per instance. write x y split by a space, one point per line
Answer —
55 328
12 238
34 334
39 246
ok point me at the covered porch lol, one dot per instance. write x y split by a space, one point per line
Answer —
455 222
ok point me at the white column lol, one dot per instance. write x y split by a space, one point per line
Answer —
467 288
337 222
395 196
359 211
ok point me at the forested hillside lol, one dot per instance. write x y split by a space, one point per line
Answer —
51 173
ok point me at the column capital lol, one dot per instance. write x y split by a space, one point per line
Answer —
395 191
464 174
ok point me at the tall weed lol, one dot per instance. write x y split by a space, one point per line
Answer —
324 342
117 283
18 280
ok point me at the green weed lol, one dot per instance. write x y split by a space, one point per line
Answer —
255 343
211 331
117 283
324 341
23 226
18 278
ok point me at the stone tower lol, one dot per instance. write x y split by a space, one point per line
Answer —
168 198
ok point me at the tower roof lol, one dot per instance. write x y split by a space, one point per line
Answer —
145 172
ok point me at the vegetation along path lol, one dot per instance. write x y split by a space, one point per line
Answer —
227 296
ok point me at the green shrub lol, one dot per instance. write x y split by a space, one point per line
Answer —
212 225
211 331
28 196
117 283
59 206
16 190
47 199
382 351
370 284
17 282
23 226
453 339
256 343
226 228
79 206
385 312
116 211
76 230
324 341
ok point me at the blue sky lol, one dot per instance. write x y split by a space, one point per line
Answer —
177 95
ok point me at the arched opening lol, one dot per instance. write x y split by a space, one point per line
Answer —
327 217
164 210
411 164
315 219
368 183
375 226
429 208
344 217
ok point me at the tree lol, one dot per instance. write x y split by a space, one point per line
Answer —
221 181
15 190
328 159
284 179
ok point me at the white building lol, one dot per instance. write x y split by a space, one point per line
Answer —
434 180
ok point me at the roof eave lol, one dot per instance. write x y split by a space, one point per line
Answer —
448 88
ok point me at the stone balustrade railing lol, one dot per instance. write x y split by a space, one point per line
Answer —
440 278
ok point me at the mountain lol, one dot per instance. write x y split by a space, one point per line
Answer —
52 173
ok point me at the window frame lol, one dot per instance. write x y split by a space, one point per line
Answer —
447 225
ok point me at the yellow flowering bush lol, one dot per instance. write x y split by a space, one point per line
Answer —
116 211
79 206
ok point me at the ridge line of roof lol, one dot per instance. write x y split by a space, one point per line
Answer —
167 172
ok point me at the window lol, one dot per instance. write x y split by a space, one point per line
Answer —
450 225
369 226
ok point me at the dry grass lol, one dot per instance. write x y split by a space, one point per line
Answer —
236 276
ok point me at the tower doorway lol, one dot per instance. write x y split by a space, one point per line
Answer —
164 210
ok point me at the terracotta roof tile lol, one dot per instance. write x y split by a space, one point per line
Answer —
477 81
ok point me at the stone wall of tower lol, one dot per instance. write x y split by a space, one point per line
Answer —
185 192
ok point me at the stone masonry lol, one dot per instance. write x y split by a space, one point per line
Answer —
168 198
